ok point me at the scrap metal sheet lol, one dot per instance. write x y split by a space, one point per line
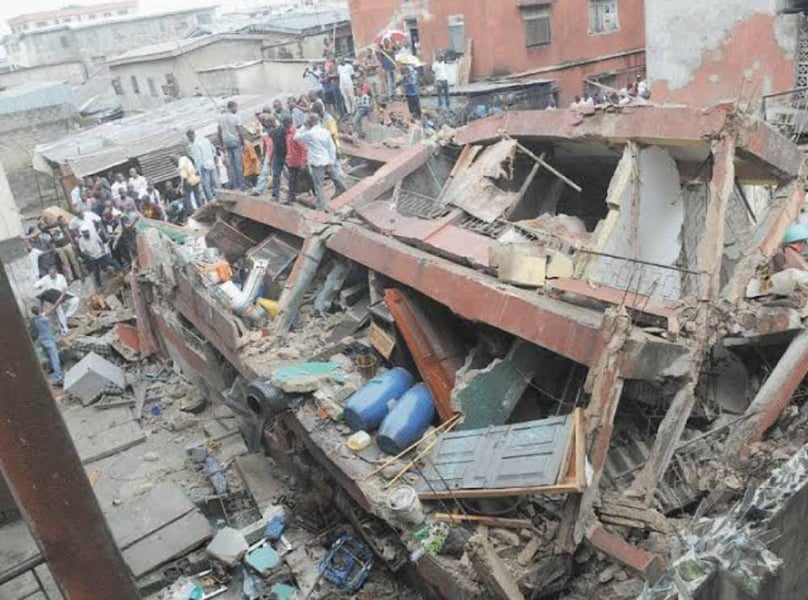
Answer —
510 456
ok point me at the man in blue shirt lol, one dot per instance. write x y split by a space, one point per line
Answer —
43 333
409 81
322 156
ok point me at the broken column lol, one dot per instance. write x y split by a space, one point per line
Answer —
496 577
772 397
300 279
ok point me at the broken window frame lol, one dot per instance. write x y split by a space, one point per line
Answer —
135 85
603 17
537 25
456 26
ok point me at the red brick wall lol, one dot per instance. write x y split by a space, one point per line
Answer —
495 26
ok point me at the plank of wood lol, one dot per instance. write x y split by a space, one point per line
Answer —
550 168
580 447
649 519
161 506
175 540
93 476
484 520
564 488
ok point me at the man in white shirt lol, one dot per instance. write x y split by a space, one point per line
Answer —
322 157
441 71
138 183
53 288
118 185
203 153
346 85
95 252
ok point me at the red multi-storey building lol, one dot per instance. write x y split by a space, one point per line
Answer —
567 41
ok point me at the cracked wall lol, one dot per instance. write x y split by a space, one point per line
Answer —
702 52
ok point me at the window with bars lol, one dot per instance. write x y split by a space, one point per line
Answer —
536 21
603 16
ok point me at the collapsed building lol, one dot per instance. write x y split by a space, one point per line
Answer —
586 296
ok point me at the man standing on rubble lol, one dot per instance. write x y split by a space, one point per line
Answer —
296 160
203 153
322 157
346 85
278 135
42 332
53 288
232 140
96 253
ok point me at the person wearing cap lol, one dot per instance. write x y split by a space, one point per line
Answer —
95 252
53 288
790 254
203 153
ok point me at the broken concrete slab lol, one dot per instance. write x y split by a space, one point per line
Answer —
133 521
102 433
228 546
48 583
93 376
19 588
256 471
524 265
174 540
307 377
18 550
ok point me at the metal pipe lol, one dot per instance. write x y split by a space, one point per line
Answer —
46 476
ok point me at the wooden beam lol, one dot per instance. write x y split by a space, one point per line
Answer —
549 167
483 520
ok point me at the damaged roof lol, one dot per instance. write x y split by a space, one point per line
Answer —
106 146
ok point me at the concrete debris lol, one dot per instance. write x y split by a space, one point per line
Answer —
307 377
228 546
493 572
520 264
93 376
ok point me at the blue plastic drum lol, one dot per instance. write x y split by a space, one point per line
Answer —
408 420
368 407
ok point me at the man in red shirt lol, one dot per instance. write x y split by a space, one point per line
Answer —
296 158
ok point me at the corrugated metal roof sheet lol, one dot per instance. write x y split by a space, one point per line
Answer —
510 456
35 94
154 132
